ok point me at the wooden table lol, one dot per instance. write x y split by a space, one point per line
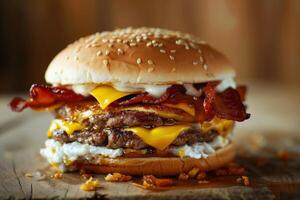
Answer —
274 126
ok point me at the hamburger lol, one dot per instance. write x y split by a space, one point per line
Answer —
139 101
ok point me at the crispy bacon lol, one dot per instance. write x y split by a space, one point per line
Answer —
226 105
146 98
44 96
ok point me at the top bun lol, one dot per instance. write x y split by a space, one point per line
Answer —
138 56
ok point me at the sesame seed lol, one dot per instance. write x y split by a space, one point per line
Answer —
160 45
187 47
162 51
155 44
151 69
107 52
150 62
171 57
77 50
119 40
120 51
179 42
148 44
199 51
173 51
99 53
201 59
95 45
173 69
105 62
153 41
195 63
104 40
193 45
205 66
132 44
139 61
110 45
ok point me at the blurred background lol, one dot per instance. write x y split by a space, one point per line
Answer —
261 37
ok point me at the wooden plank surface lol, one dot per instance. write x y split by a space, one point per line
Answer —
274 126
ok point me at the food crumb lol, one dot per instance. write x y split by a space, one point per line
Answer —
117 177
183 176
150 181
28 175
90 185
284 155
193 172
244 180
57 175
84 174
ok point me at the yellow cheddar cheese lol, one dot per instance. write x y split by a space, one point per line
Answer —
105 95
68 127
160 137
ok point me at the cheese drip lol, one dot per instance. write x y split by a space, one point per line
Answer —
68 127
160 137
105 95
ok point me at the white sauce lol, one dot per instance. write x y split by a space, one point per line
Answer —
83 89
191 90
154 90
226 83
200 149
57 153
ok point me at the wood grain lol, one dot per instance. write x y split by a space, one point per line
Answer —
273 127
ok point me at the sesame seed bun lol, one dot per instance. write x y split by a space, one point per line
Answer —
159 166
138 56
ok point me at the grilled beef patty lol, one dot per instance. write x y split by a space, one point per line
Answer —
106 128
117 138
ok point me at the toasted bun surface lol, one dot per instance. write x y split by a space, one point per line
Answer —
138 56
160 166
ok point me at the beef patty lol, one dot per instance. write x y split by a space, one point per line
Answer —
117 138
106 128
94 118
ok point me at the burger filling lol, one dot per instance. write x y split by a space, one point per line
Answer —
191 120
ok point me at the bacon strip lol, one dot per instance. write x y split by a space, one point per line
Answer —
226 105
44 96
146 98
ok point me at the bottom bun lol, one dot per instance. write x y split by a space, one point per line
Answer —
159 166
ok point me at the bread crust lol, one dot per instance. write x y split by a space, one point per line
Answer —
159 166
138 56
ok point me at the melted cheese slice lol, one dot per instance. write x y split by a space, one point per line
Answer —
160 137
105 95
68 127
